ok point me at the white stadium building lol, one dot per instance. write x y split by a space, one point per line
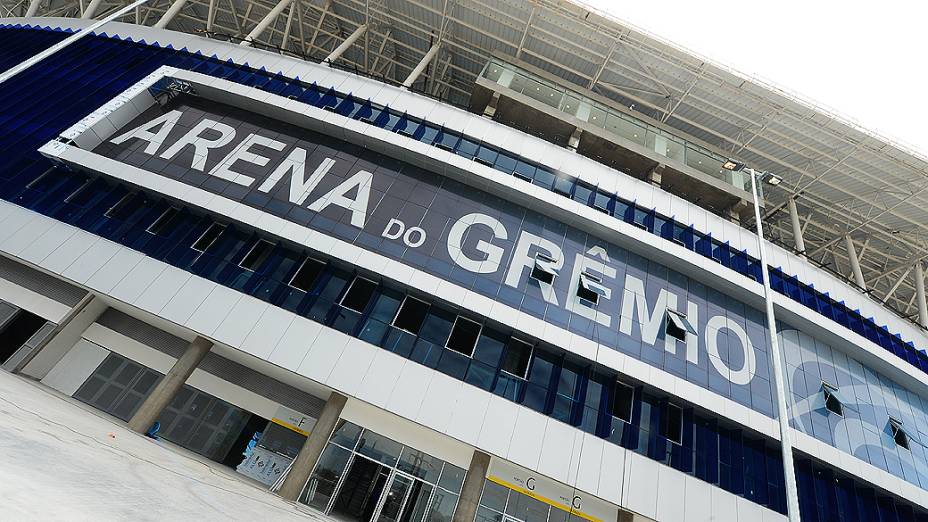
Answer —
458 260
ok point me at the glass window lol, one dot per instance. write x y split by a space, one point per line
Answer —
120 209
81 195
379 448
464 335
305 277
490 347
832 402
515 361
437 326
419 464
525 171
494 496
601 201
411 315
208 237
672 423
466 148
452 478
486 155
622 401
346 434
544 178
358 294
526 508
325 477
443 505
582 193
257 255
163 222
504 164
563 185
446 140
385 308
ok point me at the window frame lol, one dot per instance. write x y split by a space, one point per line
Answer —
631 403
543 269
830 391
212 224
582 284
900 437
400 308
672 317
78 190
250 250
110 212
476 338
298 270
528 364
341 301
160 222
670 407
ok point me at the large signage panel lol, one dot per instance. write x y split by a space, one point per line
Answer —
533 263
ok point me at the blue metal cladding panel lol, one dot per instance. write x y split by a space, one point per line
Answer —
74 83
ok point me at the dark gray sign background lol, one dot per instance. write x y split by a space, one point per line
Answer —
430 201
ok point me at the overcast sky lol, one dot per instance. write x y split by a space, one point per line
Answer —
864 60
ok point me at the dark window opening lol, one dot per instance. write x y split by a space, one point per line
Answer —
542 271
672 423
305 277
163 222
832 402
257 255
73 197
516 359
208 237
411 315
464 335
118 210
623 401
899 435
359 294
677 326
586 288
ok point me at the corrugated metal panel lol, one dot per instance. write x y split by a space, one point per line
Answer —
40 283
214 364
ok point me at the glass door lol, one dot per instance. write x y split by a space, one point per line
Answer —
394 498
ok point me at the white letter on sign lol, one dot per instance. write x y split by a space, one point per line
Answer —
494 253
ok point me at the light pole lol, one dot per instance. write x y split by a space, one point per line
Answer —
786 445
29 62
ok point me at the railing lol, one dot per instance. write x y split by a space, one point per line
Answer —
614 121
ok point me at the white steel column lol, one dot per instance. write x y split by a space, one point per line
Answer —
265 22
29 62
170 14
91 9
340 50
920 294
855 263
797 228
786 445
33 8
426 60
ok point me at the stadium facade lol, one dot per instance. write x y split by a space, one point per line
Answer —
522 301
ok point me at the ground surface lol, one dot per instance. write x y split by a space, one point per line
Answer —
59 462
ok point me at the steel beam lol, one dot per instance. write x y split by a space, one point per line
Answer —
352 38
33 8
855 263
920 295
797 228
170 14
91 9
265 22
417 71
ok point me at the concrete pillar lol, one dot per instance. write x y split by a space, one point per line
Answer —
490 110
340 50
472 488
265 22
797 228
46 355
423 63
306 459
920 295
656 175
573 142
855 263
165 391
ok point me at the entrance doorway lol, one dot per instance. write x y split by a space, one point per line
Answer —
373 492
